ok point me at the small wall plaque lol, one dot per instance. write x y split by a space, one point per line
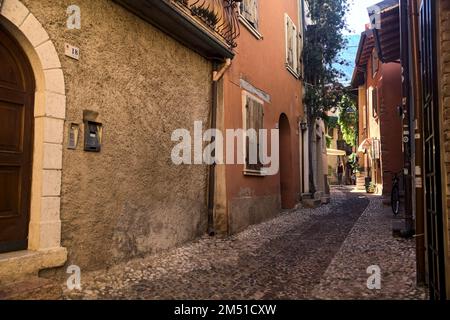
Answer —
72 52
74 130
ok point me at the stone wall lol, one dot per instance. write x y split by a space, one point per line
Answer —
128 200
444 66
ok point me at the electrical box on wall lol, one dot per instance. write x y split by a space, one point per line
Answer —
92 136
73 136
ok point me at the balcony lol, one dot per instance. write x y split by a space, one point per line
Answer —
209 27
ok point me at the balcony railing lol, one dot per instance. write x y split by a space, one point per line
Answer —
220 16
209 27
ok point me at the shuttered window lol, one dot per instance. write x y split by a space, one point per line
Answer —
375 63
254 120
291 44
364 117
249 10
375 102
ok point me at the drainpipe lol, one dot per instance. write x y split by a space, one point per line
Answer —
217 75
408 119
419 173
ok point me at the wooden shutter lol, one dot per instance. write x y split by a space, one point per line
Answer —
375 102
254 120
249 125
250 12
291 44
259 123
375 63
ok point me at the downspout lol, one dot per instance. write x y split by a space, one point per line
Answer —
408 117
217 75
419 172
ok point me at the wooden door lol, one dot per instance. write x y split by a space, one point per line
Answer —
16 135
433 173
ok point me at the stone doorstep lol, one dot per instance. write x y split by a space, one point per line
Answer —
23 265
31 289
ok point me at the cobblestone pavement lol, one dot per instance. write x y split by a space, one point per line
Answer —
304 254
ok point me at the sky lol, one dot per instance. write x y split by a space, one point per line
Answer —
358 16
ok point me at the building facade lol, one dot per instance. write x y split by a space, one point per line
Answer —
380 124
262 89
443 61
89 98
416 33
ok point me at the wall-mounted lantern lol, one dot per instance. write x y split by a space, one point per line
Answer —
303 125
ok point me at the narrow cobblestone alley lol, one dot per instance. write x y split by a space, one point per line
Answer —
305 254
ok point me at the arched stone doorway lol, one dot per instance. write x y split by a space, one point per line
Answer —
42 246
286 176
17 87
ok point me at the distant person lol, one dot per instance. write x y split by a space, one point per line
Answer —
340 172
348 174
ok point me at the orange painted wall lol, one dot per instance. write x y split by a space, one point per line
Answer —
262 63
391 123
387 126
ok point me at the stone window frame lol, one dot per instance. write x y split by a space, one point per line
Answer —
246 19
291 37
44 237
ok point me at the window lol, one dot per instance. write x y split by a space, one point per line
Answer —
254 117
375 63
249 11
374 102
365 117
291 45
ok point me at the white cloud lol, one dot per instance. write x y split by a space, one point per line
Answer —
358 16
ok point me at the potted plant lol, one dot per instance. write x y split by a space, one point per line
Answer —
371 188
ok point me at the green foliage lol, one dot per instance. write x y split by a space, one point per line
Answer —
329 139
332 122
323 41
353 160
348 119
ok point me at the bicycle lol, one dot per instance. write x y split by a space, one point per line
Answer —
395 194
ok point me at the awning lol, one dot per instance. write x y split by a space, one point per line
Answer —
365 145
334 152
